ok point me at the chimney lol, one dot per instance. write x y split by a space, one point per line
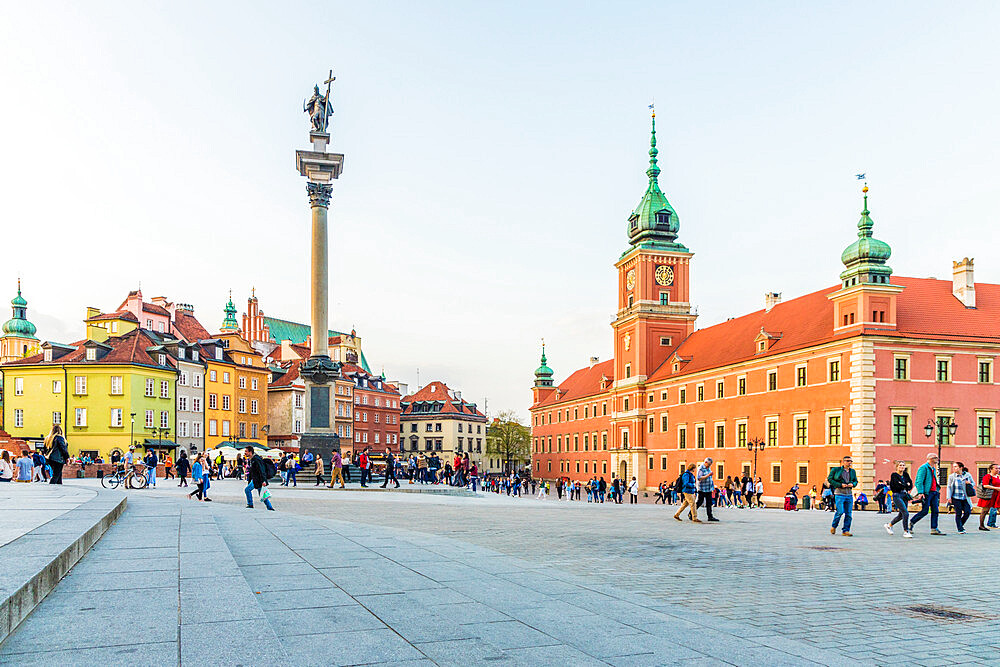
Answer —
962 284
458 395
593 361
771 299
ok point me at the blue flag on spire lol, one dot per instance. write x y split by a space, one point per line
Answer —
861 177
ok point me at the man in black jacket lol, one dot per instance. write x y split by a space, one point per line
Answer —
390 469
257 479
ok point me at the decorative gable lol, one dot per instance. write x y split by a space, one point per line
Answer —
764 340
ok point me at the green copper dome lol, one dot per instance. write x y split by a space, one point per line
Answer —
654 223
230 323
543 374
19 325
865 259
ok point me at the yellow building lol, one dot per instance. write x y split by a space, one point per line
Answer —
106 395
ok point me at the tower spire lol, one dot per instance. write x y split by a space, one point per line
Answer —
543 374
865 260
654 223
654 170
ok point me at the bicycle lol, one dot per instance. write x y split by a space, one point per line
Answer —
130 478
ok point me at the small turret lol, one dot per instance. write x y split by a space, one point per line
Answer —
543 374
230 323
865 259
18 325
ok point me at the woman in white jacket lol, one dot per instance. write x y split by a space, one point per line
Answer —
633 492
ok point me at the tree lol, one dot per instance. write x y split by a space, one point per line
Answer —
508 439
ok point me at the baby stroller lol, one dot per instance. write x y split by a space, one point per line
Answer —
792 499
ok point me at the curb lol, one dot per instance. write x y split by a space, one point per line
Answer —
41 566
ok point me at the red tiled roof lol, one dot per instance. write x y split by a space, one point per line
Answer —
127 349
288 377
154 309
189 327
438 391
925 309
117 315
584 382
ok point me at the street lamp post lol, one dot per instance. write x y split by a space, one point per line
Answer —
942 424
131 432
755 445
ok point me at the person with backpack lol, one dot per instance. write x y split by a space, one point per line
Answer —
688 489
960 483
58 453
259 470
928 493
183 469
39 462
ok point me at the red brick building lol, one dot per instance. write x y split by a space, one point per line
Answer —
376 410
856 368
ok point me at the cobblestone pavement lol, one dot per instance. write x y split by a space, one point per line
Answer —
870 597
180 582
519 581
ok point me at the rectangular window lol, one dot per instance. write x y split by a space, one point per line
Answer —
213 427
195 405
196 429
985 372
150 418
243 406
628 370
801 431
116 385
57 386
720 389
772 380
720 435
984 437
182 429
803 473
604 441
741 435
19 386
253 384
626 404
700 392
242 429
700 437
776 472
225 428
182 379
833 372
800 376
57 418
18 418
164 389
243 382
943 374
182 403
213 401
253 408
196 379
212 376
833 426
225 402
741 386
225 377
663 423
772 434
682 438
80 384
604 409
663 463
164 419
683 395
943 432
298 403
720 470
652 424
900 429
81 417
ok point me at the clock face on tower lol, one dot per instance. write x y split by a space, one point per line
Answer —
664 275
630 279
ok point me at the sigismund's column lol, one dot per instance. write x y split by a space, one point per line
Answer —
320 168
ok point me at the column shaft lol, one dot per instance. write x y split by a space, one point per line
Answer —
320 283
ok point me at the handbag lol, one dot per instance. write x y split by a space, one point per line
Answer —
970 490
984 493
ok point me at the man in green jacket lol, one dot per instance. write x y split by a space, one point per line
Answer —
927 493
843 479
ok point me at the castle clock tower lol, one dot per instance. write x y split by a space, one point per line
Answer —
654 310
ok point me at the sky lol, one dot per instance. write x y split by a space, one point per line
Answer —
493 153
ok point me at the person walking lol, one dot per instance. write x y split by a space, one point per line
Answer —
689 490
989 498
319 471
293 469
633 492
900 484
57 453
759 492
843 480
959 483
336 469
256 478
706 487
198 477
183 469
390 469
39 462
928 493
168 467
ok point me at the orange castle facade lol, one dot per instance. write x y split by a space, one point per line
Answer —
858 368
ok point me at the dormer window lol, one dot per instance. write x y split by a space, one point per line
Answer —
47 355
180 352
91 354
633 223
761 346
161 359
194 355
218 353
662 218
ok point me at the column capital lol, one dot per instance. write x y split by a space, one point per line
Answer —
319 194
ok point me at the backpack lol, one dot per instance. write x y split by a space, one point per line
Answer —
270 470
679 484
